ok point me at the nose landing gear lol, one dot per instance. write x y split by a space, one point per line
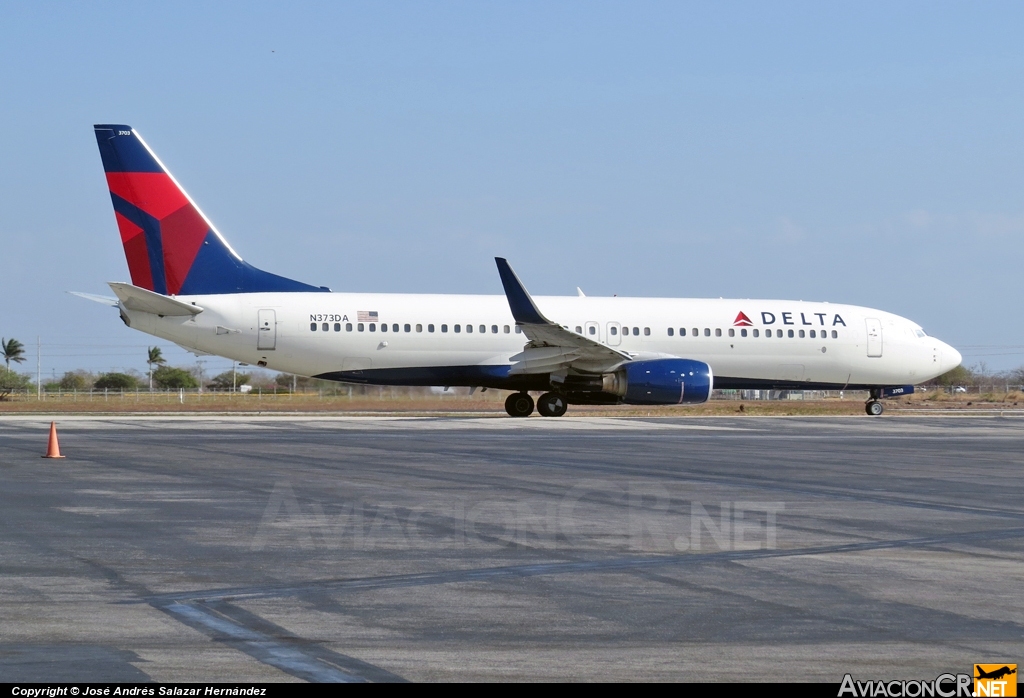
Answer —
873 407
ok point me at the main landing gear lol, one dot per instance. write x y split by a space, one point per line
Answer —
552 405
519 405
549 405
873 407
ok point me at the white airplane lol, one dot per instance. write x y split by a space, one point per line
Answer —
190 287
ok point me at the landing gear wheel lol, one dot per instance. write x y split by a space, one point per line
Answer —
519 405
873 408
552 405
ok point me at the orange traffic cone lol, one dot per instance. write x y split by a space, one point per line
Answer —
53 449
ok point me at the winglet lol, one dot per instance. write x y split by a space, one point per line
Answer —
524 310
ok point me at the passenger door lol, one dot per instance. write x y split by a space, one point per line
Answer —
874 327
266 335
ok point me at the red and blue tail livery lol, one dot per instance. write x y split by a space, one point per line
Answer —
171 247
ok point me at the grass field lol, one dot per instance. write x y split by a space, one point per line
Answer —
420 402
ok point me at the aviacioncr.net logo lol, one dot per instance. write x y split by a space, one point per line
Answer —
943 686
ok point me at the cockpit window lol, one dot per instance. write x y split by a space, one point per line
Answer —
920 333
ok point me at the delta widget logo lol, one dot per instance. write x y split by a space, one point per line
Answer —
742 320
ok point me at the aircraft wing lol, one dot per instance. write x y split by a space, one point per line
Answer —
551 347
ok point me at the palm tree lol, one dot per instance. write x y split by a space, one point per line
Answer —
13 351
156 358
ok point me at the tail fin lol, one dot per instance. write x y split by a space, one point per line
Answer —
171 247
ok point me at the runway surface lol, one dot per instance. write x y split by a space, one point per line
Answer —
348 549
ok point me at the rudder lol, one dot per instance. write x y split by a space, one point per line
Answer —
170 246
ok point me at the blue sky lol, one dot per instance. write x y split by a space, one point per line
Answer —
865 153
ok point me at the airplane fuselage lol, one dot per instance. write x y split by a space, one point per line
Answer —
413 339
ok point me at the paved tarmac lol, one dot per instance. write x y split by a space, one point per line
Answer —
341 549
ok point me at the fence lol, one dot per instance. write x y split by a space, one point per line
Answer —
346 392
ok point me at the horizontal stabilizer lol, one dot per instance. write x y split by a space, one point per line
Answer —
103 300
135 298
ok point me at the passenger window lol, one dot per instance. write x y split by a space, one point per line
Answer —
732 332
767 333
812 334
778 333
337 327
506 327
430 328
394 327
682 331
458 328
801 334
360 327
591 330
579 329
325 327
834 334
444 328
756 332
348 326
707 331
671 332
636 331
647 332
790 333
383 327
483 329
519 330
469 328
373 327
312 327
743 333
419 328
494 329
718 331
407 328
696 332
613 331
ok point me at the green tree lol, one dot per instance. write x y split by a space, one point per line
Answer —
224 381
73 380
116 381
13 350
174 378
155 358
10 381
287 380
958 376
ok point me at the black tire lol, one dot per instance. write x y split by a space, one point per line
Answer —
873 408
552 405
519 405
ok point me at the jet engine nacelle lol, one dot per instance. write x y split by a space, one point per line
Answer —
660 382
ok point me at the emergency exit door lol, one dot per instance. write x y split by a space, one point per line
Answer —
266 336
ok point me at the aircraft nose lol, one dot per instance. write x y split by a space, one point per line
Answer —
951 358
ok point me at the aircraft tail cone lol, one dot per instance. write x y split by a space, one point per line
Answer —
53 448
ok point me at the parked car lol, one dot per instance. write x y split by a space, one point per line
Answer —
959 389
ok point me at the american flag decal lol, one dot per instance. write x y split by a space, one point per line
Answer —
366 316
